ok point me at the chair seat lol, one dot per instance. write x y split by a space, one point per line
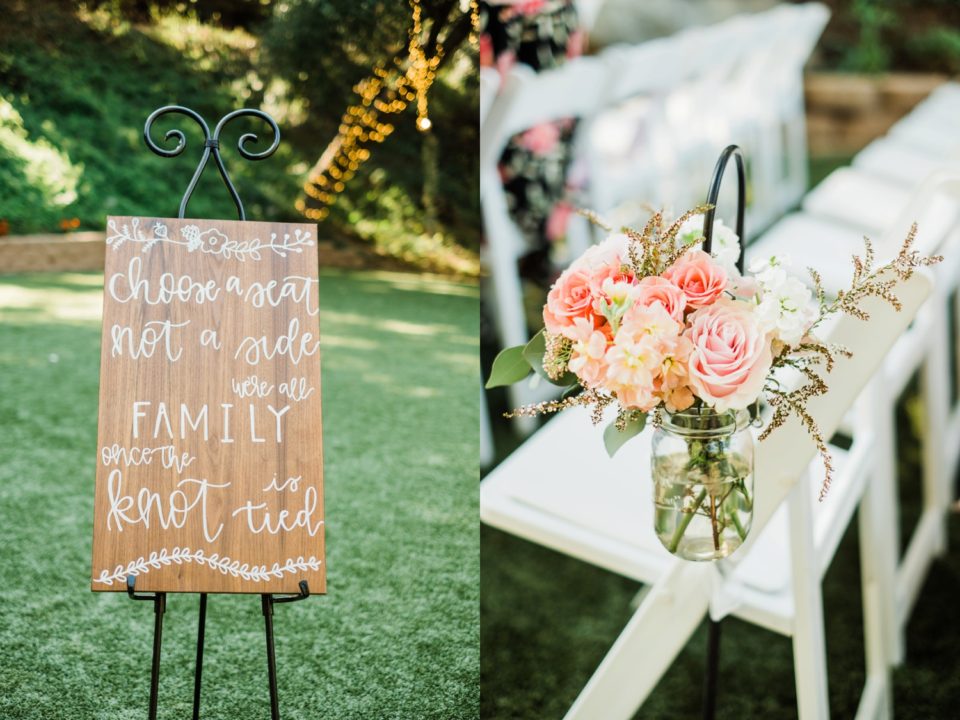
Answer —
898 162
561 490
931 131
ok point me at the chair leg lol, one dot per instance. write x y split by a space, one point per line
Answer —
876 587
656 633
879 518
809 642
934 381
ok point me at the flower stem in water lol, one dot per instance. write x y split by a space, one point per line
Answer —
685 521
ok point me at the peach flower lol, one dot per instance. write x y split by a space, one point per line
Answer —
656 289
672 386
569 298
636 355
731 354
588 354
699 276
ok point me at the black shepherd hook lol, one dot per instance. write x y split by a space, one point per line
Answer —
713 628
714 193
210 143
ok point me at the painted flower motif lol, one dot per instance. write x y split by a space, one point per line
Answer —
191 233
731 354
160 231
701 279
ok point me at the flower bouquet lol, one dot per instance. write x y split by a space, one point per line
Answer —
654 325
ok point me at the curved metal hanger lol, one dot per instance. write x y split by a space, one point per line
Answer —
211 144
714 193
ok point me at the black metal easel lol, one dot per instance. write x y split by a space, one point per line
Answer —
211 145
713 194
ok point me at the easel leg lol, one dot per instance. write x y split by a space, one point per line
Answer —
267 605
198 674
159 607
710 680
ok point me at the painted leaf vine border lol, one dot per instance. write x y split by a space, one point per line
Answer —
225 565
209 242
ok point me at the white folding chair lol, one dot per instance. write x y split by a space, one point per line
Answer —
489 84
825 242
559 490
526 99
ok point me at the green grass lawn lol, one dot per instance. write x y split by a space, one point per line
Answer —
548 620
397 635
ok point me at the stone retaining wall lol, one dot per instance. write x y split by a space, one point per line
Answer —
52 253
846 111
85 251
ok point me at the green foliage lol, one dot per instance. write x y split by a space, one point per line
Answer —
874 36
939 48
77 85
872 53
509 366
396 635
614 438
329 69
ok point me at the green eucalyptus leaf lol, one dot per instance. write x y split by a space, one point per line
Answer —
614 439
509 366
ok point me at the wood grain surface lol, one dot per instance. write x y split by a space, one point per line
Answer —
209 467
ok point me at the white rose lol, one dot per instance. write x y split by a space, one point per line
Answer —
725 247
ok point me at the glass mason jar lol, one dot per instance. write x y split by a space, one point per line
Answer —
702 463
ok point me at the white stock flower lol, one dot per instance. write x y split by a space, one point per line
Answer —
725 246
784 302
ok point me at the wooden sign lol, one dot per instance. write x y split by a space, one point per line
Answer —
209 465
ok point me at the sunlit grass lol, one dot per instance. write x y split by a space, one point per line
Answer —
397 634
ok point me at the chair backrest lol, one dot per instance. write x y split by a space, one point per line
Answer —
489 85
574 90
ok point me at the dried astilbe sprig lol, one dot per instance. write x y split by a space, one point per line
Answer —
807 356
595 219
587 398
655 248
556 358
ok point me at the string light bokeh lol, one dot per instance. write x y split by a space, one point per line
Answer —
388 91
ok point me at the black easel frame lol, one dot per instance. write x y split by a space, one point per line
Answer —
713 194
211 146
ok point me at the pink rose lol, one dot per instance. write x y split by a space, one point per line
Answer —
569 298
576 43
505 62
731 354
556 228
486 50
655 289
540 139
699 276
